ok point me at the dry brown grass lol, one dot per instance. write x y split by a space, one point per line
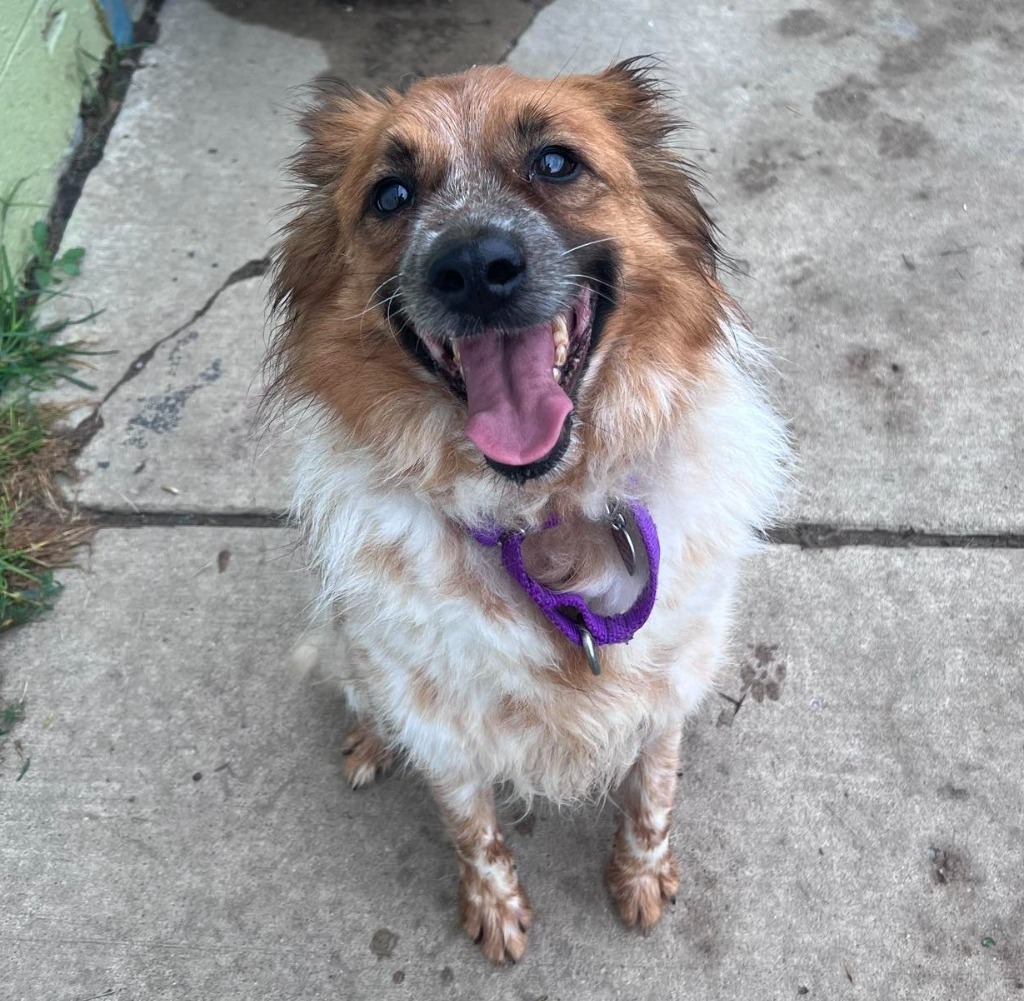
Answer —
39 529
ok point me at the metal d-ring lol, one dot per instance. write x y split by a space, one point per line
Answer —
589 648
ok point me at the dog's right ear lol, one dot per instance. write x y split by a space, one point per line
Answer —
333 122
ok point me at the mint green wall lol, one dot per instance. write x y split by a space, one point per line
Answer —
49 49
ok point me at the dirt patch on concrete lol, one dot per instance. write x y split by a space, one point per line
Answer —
372 43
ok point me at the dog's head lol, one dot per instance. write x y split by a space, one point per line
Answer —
495 276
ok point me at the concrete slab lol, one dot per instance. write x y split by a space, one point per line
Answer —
190 190
184 196
867 160
183 832
180 436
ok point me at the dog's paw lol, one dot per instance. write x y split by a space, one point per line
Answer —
640 886
366 756
495 910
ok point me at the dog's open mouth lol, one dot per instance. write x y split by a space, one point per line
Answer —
519 385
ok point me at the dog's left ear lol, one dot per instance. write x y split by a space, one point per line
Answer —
635 100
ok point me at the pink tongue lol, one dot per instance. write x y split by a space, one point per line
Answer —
516 408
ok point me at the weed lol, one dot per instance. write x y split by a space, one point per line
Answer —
93 70
11 714
35 357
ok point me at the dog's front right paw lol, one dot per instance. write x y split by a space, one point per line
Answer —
495 910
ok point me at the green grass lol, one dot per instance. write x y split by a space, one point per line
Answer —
37 530
33 356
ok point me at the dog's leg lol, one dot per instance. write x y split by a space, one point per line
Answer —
367 757
493 907
643 870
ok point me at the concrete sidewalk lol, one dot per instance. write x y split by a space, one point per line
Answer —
855 829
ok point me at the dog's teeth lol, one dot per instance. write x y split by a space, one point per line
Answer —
455 353
561 354
557 374
560 332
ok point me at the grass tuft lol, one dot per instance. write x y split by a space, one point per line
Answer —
38 529
33 356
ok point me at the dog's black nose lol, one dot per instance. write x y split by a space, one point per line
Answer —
477 276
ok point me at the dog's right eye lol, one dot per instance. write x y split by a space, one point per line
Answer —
391 195
555 163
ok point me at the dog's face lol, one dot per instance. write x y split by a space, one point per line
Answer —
492 274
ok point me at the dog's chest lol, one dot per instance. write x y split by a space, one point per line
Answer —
457 666
502 698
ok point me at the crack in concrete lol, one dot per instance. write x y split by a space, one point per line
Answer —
812 535
511 47
104 518
87 428
806 535
737 704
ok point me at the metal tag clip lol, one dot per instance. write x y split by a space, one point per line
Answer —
623 539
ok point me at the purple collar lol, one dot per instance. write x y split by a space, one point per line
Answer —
566 610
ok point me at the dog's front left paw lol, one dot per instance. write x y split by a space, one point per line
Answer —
641 882
495 910
366 756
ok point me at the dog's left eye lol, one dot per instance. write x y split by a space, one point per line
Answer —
391 195
555 164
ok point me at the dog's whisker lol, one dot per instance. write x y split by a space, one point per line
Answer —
560 78
386 305
387 311
591 243
588 280
586 288
599 427
370 304
387 281
371 350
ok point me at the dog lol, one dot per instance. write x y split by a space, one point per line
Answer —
533 448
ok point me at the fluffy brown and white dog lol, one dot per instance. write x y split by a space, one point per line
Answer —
500 307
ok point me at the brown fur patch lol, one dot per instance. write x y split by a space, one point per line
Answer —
426 696
385 559
639 890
